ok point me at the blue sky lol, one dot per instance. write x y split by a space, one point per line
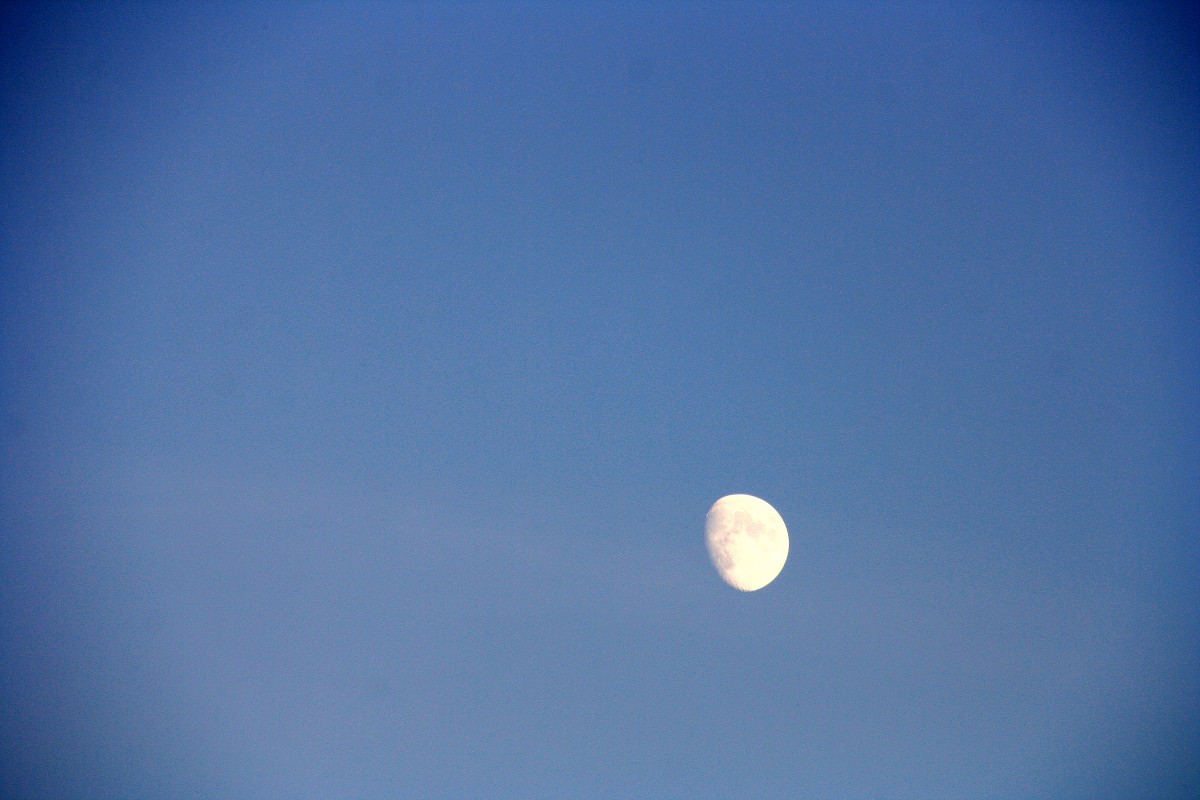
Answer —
367 372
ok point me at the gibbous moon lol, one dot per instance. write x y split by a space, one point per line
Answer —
747 541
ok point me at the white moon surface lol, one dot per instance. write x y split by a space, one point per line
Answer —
747 541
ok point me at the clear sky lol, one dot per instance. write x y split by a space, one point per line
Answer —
367 372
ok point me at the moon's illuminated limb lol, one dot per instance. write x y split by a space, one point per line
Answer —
747 541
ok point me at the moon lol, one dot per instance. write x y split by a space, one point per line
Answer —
747 541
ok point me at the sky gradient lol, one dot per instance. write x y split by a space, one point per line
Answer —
367 372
